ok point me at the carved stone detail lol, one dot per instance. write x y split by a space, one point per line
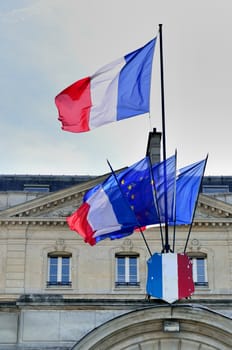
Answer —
194 245
127 245
60 245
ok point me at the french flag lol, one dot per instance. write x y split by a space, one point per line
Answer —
105 213
169 276
117 91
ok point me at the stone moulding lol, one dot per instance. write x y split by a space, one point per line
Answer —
62 221
145 326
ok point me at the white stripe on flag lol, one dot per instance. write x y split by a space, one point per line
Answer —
101 214
104 94
170 277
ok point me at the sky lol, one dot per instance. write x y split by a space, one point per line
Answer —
46 45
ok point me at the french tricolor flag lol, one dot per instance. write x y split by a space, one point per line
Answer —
117 91
104 213
169 276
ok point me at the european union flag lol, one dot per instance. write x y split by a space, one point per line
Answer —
136 183
187 188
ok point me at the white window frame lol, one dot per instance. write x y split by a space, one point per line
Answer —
196 273
59 271
127 282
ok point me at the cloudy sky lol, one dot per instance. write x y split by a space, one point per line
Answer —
45 45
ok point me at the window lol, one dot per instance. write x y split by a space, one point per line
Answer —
200 270
36 188
215 189
59 270
126 270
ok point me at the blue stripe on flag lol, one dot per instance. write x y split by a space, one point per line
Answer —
135 82
154 280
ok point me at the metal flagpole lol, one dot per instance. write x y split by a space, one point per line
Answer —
174 209
166 246
156 201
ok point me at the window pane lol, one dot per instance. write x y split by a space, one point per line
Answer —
121 269
215 189
133 269
126 270
65 260
59 270
201 270
53 269
65 269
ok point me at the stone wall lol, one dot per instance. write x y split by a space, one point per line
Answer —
49 322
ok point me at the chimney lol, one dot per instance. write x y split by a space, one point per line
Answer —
153 146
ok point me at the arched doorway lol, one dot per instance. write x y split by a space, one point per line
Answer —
176 327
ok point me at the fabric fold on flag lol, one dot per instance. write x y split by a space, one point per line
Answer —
164 174
121 204
115 208
135 199
117 91
188 183
103 213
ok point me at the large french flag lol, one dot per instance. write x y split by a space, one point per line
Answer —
105 213
117 91
169 276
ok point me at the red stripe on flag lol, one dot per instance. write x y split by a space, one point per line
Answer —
74 105
78 222
185 279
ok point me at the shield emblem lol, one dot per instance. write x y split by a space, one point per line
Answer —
169 276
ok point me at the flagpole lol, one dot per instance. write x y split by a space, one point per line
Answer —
156 201
174 208
166 246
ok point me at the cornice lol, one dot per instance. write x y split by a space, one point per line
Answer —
218 213
32 221
215 205
61 221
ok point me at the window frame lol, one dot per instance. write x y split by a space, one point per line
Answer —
212 189
36 188
127 273
59 282
197 275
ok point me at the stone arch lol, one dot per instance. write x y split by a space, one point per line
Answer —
199 329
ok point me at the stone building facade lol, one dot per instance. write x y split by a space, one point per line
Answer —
56 292
39 313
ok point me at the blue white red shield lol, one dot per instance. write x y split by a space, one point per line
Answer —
169 276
